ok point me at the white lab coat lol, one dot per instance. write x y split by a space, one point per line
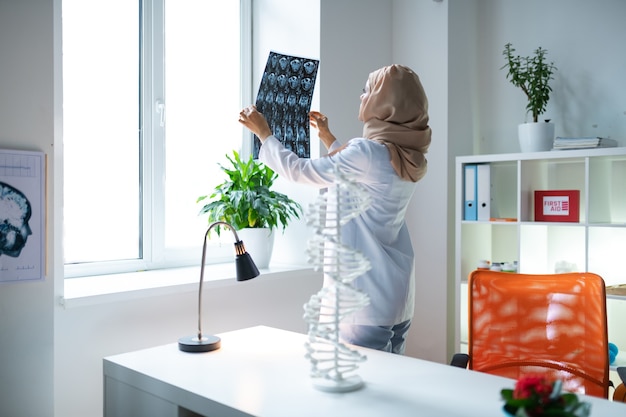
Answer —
380 233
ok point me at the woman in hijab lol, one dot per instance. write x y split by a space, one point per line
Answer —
387 162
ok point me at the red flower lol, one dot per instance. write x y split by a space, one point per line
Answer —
537 396
533 385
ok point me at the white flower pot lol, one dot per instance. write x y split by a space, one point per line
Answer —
259 244
536 137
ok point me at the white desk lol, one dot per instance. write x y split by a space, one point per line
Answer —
262 372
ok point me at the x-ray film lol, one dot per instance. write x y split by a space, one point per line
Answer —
284 98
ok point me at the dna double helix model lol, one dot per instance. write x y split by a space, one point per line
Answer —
332 362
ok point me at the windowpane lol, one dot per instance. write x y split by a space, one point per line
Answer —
202 90
100 130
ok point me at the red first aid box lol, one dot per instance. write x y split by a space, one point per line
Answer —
557 205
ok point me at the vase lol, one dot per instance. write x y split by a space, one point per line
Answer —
259 243
536 137
506 412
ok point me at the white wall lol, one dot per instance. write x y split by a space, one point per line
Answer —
584 39
352 46
52 367
26 123
420 39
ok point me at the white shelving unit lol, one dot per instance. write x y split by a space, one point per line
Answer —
596 243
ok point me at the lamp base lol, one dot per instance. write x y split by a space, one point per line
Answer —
193 344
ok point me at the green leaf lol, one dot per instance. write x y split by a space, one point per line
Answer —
245 199
532 74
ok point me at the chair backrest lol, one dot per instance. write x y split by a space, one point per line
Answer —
552 324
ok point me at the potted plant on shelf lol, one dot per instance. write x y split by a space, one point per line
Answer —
532 74
246 201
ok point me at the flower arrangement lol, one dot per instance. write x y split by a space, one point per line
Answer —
535 395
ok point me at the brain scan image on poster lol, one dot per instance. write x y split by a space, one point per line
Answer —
15 214
284 98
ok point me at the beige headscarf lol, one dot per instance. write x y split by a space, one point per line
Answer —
395 113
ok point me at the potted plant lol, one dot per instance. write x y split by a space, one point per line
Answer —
246 201
535 396
532 74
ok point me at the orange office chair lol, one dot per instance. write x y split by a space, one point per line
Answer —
540 324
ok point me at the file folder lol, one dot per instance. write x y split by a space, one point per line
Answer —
469 193
483 192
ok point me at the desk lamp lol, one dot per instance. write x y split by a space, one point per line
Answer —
246 269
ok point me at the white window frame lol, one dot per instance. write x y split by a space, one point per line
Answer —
152 255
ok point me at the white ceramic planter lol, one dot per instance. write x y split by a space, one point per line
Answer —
259 244
536 137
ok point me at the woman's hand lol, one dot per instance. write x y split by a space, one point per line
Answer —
251 118
320 122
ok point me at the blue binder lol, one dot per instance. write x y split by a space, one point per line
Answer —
470 210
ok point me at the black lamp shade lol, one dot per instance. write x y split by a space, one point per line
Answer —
246 268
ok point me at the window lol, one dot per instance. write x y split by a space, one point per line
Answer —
151 94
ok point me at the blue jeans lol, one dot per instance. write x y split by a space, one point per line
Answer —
386 338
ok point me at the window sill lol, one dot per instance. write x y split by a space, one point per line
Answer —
128 286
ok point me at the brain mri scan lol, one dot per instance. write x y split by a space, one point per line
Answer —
284 98
15 213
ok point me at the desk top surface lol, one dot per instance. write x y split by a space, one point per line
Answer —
262 371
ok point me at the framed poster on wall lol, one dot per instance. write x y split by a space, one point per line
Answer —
22 216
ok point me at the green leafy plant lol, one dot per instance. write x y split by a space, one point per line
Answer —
245 198
532 74
535 396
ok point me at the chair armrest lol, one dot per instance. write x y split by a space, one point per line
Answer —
461 360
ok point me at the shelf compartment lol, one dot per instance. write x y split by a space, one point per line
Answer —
504 193
606 254
607 192
551 248
483 241
548 174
